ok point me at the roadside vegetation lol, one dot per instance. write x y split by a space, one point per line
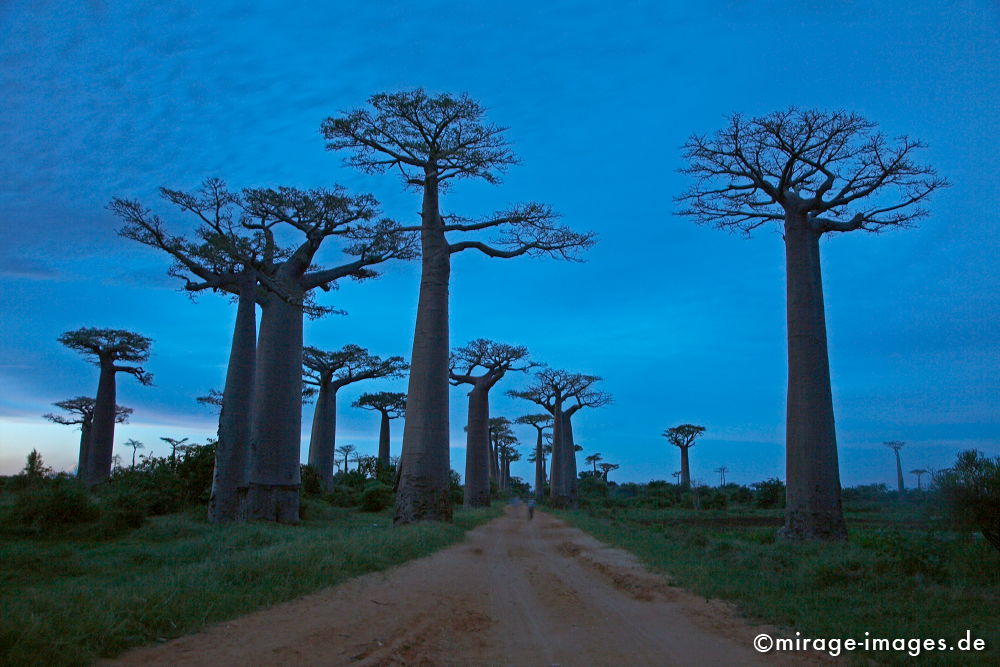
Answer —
90 574
914 566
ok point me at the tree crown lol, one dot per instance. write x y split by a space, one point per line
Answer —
109 346
835 168
390 403
81 410
683 436
350 364
496 359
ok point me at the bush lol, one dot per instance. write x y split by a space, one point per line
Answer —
457 490
769 494
591 489
57 504
970 492
343 495
376 497
312 485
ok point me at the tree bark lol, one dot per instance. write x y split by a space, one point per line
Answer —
569 470
85 429
424 486
539 468
232 449
383 441
899 473
275 436
813 475
685 468
478 449
323 437
556 465
102 433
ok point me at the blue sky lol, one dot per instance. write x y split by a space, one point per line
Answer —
685 323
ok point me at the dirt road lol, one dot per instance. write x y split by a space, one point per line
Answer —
515 592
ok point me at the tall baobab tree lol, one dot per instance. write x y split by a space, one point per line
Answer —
722 470
107 349
683 437
175 446
345 451
895 446
508 453
81 411
594 459
329 372
608 467
812 172
919 472
390 405
562 394
500 436
495 360
136 446
539 422
432 141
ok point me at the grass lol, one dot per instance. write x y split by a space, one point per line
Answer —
68 601
897 576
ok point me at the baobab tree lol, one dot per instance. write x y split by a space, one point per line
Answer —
895 446
539 422
594 458
390 405
508 453
136 446
495 360
608 467
81 411
329 372
683 437
501 435
562 394
107 349
431 142
812 172
919 472
722 470
175 446
345 451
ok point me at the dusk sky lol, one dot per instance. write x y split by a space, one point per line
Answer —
684 323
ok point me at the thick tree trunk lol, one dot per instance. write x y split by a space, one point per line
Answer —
424 487
232 449
539 468
556 465
569 469
383 442
85 429
477 449
899 473
102 431
813 476
685 468
275 436
323 438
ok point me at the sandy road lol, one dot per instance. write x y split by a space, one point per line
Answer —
515 592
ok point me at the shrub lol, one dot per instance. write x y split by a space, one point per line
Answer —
970 493
376 497
769 494
343 495
57 504
312 485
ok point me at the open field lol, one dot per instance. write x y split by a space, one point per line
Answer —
69 600
899 575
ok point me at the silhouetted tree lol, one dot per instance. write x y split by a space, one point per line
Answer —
432 141
34 469
540 422
500 435
329 372
722 470
895 446
508 453
919 472
606 468
81 411
683 438
594 458
175 446
213 400
107 349
970 491
813 172
345 451
390 405
136 446
495 360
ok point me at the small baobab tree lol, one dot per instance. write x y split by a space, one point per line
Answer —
328 372
431 142
919 472
113 351
722 470
606 468
594 459
390 405
683 437
81 411
813 173
539 422
501 436
895 446
175 446
136 446
345 451
492 360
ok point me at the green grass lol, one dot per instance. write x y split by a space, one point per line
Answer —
897 576
66 601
